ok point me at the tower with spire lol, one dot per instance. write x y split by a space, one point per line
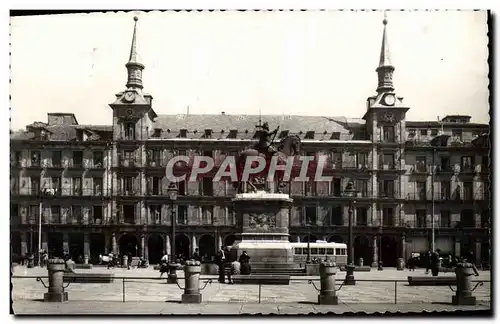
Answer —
132 108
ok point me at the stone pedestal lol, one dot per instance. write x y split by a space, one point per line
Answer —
192 271
56 293
263 220
349 277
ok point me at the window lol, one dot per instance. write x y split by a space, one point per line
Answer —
467 163
386 188
310 212
181 215
56 158
467 218
445 163
423 132
445 190
314 251
128 158
388 217
388 133
485 218
421 190
98 159
35 158
181 186
97 183
362 187
157 133
77 159
336 189
35 186
128 214
34 214
233 133
14 185
456 134
56 186
129 131
77 186
208 133
468 190
97 213
421 218
411 133
485 163
421 165
207 213
310 188
16 156
14 213
389 161
154 186
361 216
337 219
183 133
55 214
434 132
208 153
445 219
155 214
128 185
337 160
309 135
476 133
206 188
361 160
329 251
335 136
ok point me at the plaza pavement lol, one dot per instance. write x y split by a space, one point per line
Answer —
155 296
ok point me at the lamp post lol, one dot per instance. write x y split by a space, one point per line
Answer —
308 260
351 192
172 194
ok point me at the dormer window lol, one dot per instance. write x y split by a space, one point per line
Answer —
309 135
183 133
233 133
335 136
423 132
157 132
284 134
208 133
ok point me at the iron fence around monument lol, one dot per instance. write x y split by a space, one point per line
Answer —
300 290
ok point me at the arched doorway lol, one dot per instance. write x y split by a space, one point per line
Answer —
155 248
362 250
182 246
336 239
76 246
97 246
389 251
229 240
55 245
309 238
207 247
129 244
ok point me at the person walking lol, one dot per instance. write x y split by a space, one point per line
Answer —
220 261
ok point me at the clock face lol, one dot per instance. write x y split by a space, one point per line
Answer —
129 96
389 100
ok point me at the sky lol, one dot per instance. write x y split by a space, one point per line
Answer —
302 63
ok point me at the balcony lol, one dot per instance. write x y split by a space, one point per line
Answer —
129 192
55 165
443 169
387 194
155 192
416 223
387 167
96 165
420 169
129 163
154 163
75 164
415 142
417 196
467 169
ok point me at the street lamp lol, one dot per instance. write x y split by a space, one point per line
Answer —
172 195
351 192
308 260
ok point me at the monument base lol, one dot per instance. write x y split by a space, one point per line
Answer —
463 300
328 300
267 254
191 298
55 297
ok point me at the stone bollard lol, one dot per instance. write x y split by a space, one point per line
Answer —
463 294
327 272
31 261
56 293
125 261
86 259
401 264
192 271
361 262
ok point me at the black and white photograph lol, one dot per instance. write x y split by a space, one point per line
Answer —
250 162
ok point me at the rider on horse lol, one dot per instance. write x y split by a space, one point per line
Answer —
266 138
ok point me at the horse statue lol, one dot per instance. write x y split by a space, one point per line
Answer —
288 146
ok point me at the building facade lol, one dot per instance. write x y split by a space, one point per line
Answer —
103 188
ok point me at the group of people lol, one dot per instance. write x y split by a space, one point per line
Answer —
113 260
432 261
226 263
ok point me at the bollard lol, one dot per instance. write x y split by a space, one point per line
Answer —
125 261
463 294
86 259
327 272
56 293
401 264
361 262
31 261
192 271
172 273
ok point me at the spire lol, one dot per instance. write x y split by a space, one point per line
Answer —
134 68
385 68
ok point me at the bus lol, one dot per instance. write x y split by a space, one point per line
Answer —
336 252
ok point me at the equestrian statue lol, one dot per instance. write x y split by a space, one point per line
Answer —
288 146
